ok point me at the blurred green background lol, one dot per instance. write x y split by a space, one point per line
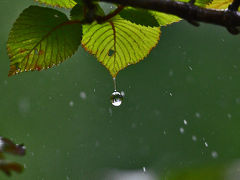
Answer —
72 132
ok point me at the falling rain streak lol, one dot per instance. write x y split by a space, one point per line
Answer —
116 97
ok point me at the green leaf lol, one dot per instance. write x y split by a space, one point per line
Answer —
148 18
165 19
201 3
119 43
139 16
40 38
220 4
58 3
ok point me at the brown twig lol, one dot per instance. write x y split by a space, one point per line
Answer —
188 11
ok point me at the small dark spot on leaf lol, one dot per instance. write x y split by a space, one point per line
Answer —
111 52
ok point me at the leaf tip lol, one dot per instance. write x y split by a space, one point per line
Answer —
12 71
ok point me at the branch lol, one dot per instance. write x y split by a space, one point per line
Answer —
227 18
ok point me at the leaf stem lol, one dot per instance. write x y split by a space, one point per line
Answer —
114 84
102 19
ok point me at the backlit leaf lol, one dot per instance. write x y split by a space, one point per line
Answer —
119 43
58 3
139 16
220 4
148 18
41 38
164 19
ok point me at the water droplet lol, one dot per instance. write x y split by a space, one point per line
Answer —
170 94
198 115
56 16
206 144
123 93
185 121
116 98
83 95
181 130
214 154
194 138
144 169
71 103
229 116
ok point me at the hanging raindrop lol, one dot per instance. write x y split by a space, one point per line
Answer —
116 97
